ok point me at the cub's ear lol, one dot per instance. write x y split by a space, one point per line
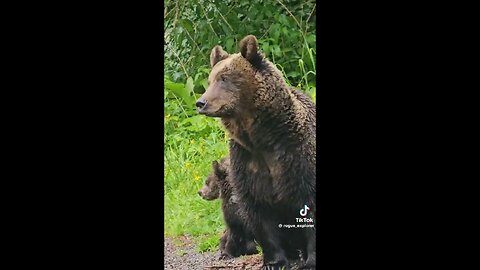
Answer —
218 170
217 55
215 165
248 49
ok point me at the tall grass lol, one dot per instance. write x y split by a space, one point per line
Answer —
192 142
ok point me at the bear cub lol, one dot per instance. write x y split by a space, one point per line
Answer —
236 239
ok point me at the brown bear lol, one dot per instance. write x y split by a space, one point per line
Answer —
236 239
272 128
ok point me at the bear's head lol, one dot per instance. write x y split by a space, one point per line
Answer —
232 82
211 189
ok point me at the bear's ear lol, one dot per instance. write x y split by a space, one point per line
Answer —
217 55
218 170
215 165
248 48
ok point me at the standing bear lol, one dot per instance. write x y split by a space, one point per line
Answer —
272 150
237 240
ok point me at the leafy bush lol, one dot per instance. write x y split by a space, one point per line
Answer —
285 30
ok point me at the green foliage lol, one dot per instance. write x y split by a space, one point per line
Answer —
209 243
191 142
285 30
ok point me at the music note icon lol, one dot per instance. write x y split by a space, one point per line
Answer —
304 210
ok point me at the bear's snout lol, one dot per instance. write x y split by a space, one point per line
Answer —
201 103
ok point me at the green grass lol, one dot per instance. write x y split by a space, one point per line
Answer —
189 152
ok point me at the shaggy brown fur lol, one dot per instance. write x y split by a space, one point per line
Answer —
272 148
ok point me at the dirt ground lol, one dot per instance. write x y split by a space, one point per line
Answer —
182 255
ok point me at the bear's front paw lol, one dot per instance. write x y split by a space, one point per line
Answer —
305 267
251 248
225 256
274 267
309 264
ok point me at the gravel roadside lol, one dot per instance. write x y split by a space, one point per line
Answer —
184 256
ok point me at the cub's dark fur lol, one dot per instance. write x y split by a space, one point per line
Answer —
236 239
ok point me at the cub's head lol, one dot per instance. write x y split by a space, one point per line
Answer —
232 82
211 189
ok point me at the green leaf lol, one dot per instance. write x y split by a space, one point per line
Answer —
174 86
229 45
293 73
265 47
276 34
189 85
186 24
276 50
225 28
205 83
176 75
180 91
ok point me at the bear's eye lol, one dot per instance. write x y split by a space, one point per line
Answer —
223 78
